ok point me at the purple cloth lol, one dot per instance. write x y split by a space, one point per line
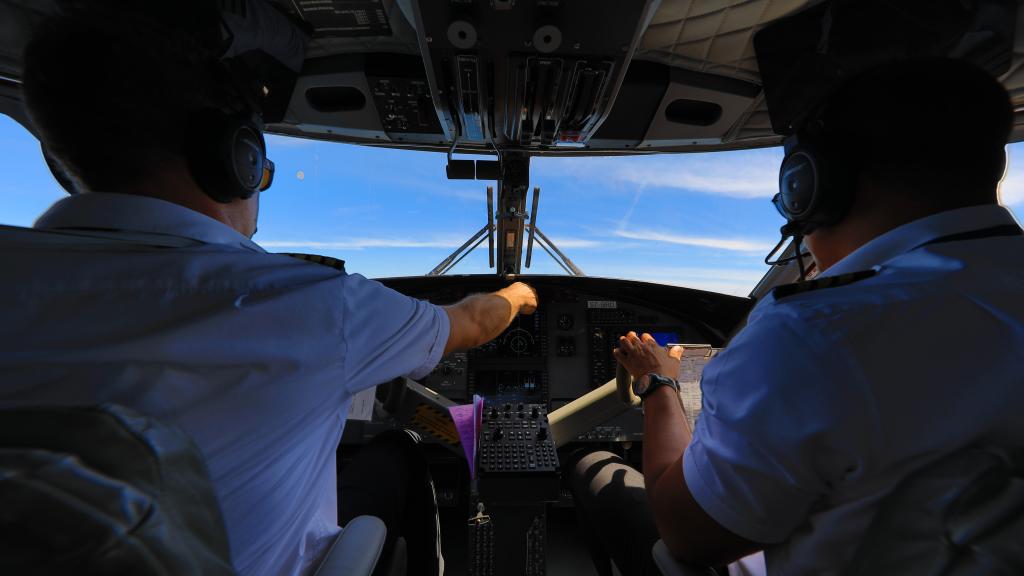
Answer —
468 420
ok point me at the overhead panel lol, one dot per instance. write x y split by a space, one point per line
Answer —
401 94
373 98
706 36
532 74
332 98
698 109
344 18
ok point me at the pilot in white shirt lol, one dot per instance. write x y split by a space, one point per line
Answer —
252 354
842 410
141 302
905 349
146 291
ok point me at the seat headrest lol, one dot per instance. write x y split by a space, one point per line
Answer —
963 514
104 491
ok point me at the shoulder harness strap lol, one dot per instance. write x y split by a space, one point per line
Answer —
338 265
786 290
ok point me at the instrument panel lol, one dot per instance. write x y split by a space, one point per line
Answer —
564 349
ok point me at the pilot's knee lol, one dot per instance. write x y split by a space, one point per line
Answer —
587 468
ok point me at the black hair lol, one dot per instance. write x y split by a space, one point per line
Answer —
933 129
110 86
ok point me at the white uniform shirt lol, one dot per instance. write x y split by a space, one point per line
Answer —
827 399
255 355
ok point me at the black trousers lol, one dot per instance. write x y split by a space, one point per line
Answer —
389 479
614 514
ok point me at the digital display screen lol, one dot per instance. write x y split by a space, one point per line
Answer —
665 338
517 383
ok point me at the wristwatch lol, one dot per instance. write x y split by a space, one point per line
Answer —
644 387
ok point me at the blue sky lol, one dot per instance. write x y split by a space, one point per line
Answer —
697 220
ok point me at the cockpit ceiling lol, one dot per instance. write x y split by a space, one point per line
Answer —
692 82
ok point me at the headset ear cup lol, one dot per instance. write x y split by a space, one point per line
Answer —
799 183
247 157
815 188
225 155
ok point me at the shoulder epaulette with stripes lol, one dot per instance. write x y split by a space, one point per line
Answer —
786 290
338 265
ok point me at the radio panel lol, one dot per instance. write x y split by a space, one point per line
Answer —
530 384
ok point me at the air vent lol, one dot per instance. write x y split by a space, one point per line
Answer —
335 99
693 112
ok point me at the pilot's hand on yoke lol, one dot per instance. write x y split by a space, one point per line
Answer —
642 355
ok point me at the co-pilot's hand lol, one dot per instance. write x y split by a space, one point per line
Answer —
642 356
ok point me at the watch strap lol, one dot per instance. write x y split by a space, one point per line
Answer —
655 381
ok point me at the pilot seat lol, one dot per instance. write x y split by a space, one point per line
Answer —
106 490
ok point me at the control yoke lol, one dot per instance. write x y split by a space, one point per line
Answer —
418 407
593 408
412 404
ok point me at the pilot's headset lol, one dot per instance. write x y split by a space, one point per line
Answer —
816 185
225 148
227 155
224 144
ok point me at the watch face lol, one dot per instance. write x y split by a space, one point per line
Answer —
641 384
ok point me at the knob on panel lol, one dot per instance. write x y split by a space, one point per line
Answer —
462 34
547 38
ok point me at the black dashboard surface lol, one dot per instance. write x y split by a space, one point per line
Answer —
564 350
547 359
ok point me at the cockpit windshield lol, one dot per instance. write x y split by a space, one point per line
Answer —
700 220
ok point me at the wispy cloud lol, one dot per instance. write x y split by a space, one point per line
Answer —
371 243
741 174
632 208
359 243
576 243
731 244
711 177
734 281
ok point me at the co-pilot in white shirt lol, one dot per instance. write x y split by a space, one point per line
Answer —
827 399
255 355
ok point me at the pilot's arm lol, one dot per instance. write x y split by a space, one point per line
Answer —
768 444
387 334
690 533
481 318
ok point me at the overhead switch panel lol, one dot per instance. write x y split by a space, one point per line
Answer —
529 73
